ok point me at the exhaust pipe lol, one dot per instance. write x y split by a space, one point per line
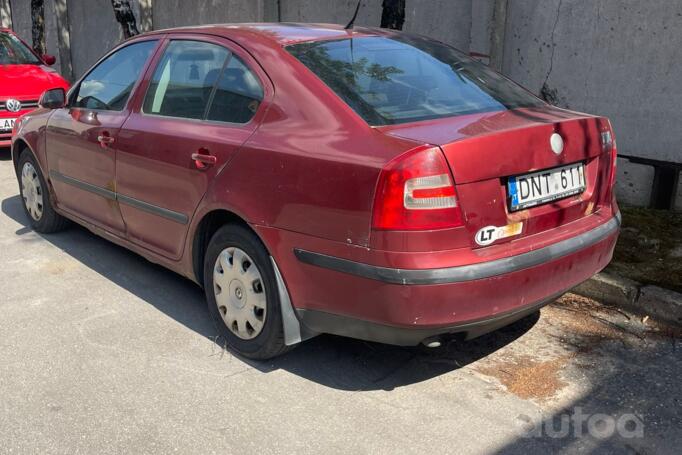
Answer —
431 343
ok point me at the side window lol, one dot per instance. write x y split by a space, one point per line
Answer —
184 79
238 94
109 84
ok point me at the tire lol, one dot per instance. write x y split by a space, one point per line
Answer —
242 295
36 198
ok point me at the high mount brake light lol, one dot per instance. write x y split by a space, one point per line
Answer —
416 192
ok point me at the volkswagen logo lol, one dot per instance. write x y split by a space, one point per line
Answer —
557 143
13 105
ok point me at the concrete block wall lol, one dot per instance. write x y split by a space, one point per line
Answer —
333 12
176 13
94 31
634 183
621 59
446 20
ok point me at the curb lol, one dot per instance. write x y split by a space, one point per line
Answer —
659 303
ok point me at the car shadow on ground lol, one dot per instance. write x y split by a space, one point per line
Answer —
336 362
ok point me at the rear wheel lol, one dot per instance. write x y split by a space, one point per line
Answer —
36 198
242 294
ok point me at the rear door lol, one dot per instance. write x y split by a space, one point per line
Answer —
81 139
201 100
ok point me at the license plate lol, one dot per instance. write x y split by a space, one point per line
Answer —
6 124
545 186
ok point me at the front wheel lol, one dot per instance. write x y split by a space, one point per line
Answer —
36 197
242 293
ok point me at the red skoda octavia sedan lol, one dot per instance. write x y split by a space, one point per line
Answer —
23 77
312 179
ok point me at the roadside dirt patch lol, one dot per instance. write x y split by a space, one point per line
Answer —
58 267
526 377
570 330
585 323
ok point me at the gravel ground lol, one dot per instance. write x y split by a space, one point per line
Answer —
103 352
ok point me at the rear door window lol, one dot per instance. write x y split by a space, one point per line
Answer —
184 79
237 95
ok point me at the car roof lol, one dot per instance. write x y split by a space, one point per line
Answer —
280 33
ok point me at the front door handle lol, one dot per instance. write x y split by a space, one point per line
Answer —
105 139
202 160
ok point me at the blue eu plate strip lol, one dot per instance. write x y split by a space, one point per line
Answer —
512 191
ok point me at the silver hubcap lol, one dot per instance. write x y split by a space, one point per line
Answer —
239 293
31 191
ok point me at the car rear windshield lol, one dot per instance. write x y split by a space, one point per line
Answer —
407 79
14 52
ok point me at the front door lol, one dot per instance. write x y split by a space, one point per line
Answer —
81 138
202 102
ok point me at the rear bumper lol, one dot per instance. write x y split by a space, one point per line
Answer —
467 272
322 322
406 306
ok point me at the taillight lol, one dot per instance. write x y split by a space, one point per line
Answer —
416 192
608 143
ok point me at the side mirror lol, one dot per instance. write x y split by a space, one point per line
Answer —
53 99
49 59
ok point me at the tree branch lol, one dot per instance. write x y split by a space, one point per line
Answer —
124 16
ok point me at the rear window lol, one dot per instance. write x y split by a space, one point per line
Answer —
407 79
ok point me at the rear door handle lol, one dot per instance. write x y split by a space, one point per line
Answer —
203 160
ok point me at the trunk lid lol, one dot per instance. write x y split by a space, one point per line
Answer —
485 150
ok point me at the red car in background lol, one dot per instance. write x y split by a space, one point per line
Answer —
24 76
365 182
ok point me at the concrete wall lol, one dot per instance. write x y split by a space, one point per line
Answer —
330 11
175 13
445 20
621 59
481 26
94 31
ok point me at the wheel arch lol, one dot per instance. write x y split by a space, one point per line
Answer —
206 227
294 333
19 147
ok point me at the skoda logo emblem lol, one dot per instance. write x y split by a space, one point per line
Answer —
557 143
13 105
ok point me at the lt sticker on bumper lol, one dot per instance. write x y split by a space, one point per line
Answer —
489 234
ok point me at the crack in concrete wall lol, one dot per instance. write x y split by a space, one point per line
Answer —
548 94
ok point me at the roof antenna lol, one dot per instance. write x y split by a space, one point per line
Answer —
352 21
